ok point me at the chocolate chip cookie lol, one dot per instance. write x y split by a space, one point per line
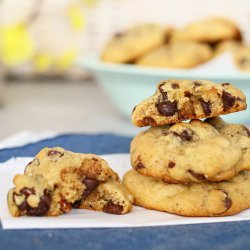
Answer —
177 55
56 179
127 46
110 196
192 152
211 30
179 100
242 58
196 199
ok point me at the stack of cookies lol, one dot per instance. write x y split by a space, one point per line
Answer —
196 168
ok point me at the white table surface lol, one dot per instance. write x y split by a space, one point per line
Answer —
59 107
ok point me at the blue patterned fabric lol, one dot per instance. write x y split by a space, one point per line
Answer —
230 235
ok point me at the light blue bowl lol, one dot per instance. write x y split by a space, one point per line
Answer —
128 85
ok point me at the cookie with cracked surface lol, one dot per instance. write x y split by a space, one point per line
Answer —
177 55
54 180
178 100
110 197
196 199
211 30
242 58
128 46
192 152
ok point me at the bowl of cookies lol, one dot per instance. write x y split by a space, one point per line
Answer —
133 61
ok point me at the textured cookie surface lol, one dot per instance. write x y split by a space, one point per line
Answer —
197 199
192 152
178 100
56 179
128 46
210 30
177 55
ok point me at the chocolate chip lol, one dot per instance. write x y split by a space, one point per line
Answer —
206 106
167 108
175 85
228 100
149 121
27 191
43 206
112 208
171 164
164 94
139 166
34 161
91 185
23 206
197 83
77 204
55 152
187 94
225 84
200 177
247 130
228 201
185 135
94 159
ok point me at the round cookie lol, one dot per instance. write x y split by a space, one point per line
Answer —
242 58
192 152
211 30
227 46
196 199
177 55
133 43
57 178
178 100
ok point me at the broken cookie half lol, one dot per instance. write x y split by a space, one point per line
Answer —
58 180
178 100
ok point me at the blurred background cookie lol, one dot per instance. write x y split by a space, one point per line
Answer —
127 46
177 55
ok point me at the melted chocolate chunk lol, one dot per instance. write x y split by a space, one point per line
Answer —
139 166
77 204
228 100
149 121
185 135
228 201
206 106
187 94
27 191
23 206
55 152
42 208
200 177
171 164
91 185
175 85
167 108
112 208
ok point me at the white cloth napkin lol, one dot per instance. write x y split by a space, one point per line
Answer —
139 217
